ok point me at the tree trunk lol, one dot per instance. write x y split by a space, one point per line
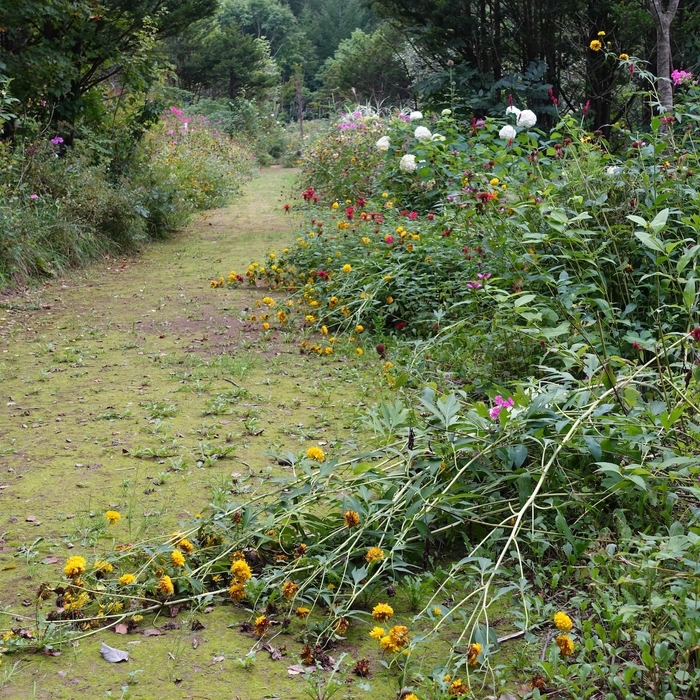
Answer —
662 21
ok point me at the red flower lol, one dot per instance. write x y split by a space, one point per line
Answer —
431 216
413 215
286 207
361 202
695 333
400 325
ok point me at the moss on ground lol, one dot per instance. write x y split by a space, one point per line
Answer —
115 395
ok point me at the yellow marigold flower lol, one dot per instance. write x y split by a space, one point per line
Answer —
382 612
302 613
324 330
241 571
113 517
126 579
563 622
385 194
165 585
177 558
388 645
268 301
399 635
377 633
595 45
261 624
473 654
347 268
186 546
387 278
388 365
74 566
565 644
364 240
329 351
213 284
352 518
316 453
310 318
410 696
266 326
282 316
494 181
289 589
437 611
359 328
103 567
390 300
335 205
374 554
624 57
457 687
237 592
601 33
360 352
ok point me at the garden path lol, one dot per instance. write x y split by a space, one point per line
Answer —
115 396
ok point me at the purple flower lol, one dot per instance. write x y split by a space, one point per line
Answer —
56 140
33 196
484 275
474 285
681 76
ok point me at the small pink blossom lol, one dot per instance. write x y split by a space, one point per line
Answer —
389 239
484 275
499 404
474 285
33 196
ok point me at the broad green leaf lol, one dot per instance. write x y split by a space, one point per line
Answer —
650 241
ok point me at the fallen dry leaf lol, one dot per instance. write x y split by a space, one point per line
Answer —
153 632
114 656
121 628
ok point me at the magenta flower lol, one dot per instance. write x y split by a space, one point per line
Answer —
499 404
389 239
484 275
474 285
33 196
56 140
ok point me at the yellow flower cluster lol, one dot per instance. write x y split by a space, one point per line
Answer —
177 558
103 567
126 579
74 567
374 554
382 612
165 585
113 517
316 454
565 644
563 622
473 653
240 572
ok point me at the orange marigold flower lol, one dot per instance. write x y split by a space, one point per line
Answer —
352 518
565 644
186 546
302 612
374 554
260 625
237 592
341 627
457 687
289 590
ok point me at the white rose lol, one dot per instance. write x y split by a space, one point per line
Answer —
408 163
383 143
527 119
507 133
513 110
414 116
422 133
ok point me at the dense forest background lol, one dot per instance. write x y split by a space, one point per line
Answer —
73 60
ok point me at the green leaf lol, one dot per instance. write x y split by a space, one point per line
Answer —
659 221
650 241
689 294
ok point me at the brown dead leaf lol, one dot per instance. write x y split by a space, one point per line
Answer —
121 628
153 632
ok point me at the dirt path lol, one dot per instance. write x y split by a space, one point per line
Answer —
114 395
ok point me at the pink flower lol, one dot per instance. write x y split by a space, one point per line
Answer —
389 239
484 275
413 215
474 285
56 140
33 196
499 404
